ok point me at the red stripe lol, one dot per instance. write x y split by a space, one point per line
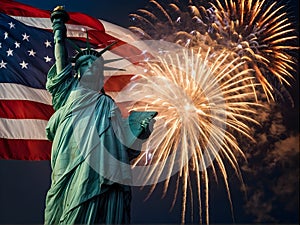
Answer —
121 48
25 149
18 9
83 19
116 83
24 109
13 8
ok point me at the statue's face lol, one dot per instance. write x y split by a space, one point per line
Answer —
86 68
91 73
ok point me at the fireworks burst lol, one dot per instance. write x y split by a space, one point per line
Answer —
199 107
178 22
256 32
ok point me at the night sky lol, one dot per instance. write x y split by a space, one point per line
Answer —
271 175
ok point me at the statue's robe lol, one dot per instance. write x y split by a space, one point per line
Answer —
91 150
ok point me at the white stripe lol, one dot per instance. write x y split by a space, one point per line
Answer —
119 32
45 23
23 129
10 91
125 35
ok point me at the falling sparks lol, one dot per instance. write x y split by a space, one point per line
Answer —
200 105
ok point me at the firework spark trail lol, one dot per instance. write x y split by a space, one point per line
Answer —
178 22
262 38
258 32
197 111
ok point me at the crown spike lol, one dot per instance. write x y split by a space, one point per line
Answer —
112 60
87 40
107 47
112 68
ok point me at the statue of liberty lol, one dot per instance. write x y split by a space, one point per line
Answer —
88 131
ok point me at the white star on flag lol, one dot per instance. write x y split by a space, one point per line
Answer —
10 52
47 59
23 64
25 37
2 64
11 25
17 45
31 53
47 43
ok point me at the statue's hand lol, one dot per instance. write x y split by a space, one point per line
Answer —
142 123
147 129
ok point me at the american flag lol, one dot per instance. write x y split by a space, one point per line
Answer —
26 55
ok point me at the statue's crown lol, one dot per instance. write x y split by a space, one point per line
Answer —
89 54
85 52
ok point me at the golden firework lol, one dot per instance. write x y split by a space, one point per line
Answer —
178 22
200 105
258 32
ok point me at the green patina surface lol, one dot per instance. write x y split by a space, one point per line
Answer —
92 146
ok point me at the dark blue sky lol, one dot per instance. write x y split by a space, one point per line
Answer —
24 184
115 11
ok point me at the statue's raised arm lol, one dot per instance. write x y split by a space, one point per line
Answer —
60 80
59 17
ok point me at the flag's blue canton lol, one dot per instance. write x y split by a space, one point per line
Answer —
26 53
